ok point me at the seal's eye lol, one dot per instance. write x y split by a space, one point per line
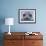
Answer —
24 15
30 15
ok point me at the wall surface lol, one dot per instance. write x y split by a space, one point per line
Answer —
9 8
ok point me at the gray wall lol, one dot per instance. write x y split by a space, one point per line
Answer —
9 8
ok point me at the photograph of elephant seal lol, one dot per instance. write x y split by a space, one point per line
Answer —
27 16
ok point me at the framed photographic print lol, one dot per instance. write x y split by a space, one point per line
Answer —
27 16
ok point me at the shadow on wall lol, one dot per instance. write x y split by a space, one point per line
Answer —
1 39
2 21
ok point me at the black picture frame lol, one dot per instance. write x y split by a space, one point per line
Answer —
26 16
